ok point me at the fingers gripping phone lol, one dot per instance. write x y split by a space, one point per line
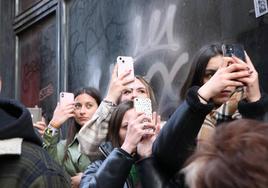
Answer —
125 63
143 105
66 98
234 49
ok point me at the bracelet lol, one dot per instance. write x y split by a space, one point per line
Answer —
202 98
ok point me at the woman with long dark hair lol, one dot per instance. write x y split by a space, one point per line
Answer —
65 152
129 138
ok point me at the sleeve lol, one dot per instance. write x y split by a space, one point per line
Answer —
255 110
94 132
176 139
112 172
52 146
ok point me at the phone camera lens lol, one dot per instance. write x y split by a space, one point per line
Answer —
62 95
123 61
120 58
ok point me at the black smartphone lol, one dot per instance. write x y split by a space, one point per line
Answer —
234 49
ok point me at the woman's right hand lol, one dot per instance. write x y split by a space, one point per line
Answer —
40 126
61 114
227 75
117 85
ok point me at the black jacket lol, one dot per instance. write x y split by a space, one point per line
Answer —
176 141
110 172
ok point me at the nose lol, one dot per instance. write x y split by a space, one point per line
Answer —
83 109
133 94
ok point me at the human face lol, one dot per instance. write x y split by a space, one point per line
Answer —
136 89
212 66
129 116
85 107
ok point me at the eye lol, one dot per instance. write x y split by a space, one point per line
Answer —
126 92
209 74
88 105
78 106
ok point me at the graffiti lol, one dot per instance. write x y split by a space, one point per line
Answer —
46 92
160 38
156 32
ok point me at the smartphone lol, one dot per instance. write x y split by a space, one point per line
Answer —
66 98
234 49
143 105
36 114
125 63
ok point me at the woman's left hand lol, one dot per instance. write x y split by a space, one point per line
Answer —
144 147
251 82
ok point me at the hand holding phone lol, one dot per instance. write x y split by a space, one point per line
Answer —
125 63
66 98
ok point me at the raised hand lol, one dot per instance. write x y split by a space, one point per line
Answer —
40 126
117 85
61 114
137 128
227 75
251 82
144 148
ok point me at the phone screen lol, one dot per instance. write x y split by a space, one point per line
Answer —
234 49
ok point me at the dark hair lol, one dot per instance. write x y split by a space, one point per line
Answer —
235 156
115 122
198 67
73 126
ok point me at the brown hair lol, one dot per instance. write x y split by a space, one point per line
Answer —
235 156
116 121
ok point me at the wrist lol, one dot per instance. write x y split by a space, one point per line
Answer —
203 96
128 148
54 124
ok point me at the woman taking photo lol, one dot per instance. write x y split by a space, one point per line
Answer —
129 139
65 152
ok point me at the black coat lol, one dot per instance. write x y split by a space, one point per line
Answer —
176 141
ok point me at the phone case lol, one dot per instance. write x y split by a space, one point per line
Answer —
143 105
36 114
125 63
66 98
234 49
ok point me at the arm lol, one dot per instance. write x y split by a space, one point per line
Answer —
113 172
94 132
177 137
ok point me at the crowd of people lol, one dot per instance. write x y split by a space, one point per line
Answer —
217 136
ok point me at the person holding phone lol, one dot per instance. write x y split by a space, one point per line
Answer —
213 72
79 109
120 89
125 144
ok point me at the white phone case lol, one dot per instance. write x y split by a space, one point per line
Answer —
125 63
143 105
66 98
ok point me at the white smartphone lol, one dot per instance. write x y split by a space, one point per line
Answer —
143 105
66 98
36 114
125 63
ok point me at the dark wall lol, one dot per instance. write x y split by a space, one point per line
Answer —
162 36
7 48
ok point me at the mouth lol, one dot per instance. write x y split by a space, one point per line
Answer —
83 119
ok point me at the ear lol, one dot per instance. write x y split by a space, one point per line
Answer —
0 84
